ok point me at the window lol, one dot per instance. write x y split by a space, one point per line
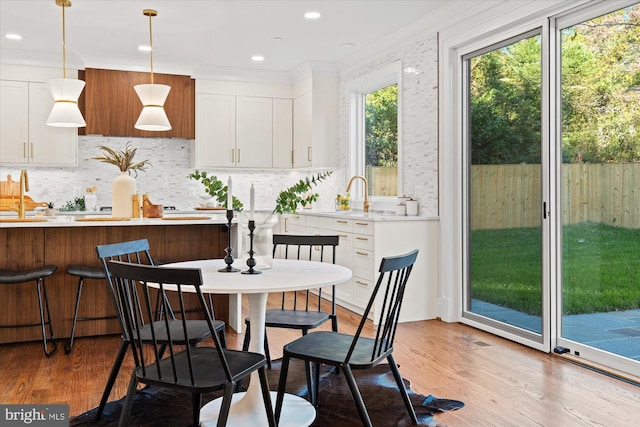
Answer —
375 141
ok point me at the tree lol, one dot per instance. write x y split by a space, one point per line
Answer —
381 127
600 95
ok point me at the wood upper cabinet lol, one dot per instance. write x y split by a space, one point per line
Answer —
111 106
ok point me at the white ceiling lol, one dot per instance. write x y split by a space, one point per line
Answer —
204 37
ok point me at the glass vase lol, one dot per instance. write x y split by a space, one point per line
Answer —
262 238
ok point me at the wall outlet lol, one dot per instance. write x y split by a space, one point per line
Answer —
77 191
417 190
192 191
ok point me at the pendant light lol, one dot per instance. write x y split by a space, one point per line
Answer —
65 92
152 96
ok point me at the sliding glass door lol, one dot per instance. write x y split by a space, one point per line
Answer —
504 186
600 186
551 193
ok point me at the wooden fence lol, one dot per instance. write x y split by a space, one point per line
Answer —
509 196
383 181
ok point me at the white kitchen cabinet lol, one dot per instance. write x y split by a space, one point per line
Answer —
363 244
215 130
282 133
302 131
243 131
25 137
254 132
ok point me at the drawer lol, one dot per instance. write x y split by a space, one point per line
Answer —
293 222
364 227
363 241
362 290
337 224
363 264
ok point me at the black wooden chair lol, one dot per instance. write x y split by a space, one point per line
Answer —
300 310
195 369
138 252
350 352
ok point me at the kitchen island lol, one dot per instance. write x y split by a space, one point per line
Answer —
69 239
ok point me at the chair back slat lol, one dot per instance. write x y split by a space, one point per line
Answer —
135 251
302 248
394 274
128 277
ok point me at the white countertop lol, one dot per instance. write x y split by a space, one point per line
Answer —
369 216
68 219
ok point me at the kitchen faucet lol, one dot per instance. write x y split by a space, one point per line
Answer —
24 187
367 203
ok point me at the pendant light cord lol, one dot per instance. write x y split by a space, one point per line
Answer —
151 46
64 46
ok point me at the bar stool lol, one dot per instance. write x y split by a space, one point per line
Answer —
83 272
38 274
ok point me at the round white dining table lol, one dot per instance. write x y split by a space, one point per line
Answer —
247 408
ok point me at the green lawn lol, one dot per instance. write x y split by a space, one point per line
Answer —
601 268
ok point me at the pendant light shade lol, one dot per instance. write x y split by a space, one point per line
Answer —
152 96
65 92
65 111
153 117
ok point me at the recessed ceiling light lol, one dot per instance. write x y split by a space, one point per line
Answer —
144 48
257 58
278 38
13 36
312 15
348 45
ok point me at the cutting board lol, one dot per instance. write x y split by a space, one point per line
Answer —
9 187
7 201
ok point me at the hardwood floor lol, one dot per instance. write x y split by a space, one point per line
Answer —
501 383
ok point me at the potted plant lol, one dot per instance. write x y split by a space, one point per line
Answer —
51 209
123 187
287 201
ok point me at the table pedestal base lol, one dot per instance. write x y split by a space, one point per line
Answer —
296 411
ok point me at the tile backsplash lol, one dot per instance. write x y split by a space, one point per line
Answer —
165 180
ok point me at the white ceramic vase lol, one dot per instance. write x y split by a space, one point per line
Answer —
123 188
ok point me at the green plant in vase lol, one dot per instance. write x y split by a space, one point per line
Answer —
215 188
299 193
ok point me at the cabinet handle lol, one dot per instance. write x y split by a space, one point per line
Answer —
362 253
285 225
238 155
292 162
343 236
341 221
361 283
309 153
362 223
362 238
31 150
24 150
233 151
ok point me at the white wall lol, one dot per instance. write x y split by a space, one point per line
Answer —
419 125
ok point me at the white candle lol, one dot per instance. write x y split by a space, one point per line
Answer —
252 202
229 196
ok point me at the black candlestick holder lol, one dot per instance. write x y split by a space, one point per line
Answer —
229 258
251 261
